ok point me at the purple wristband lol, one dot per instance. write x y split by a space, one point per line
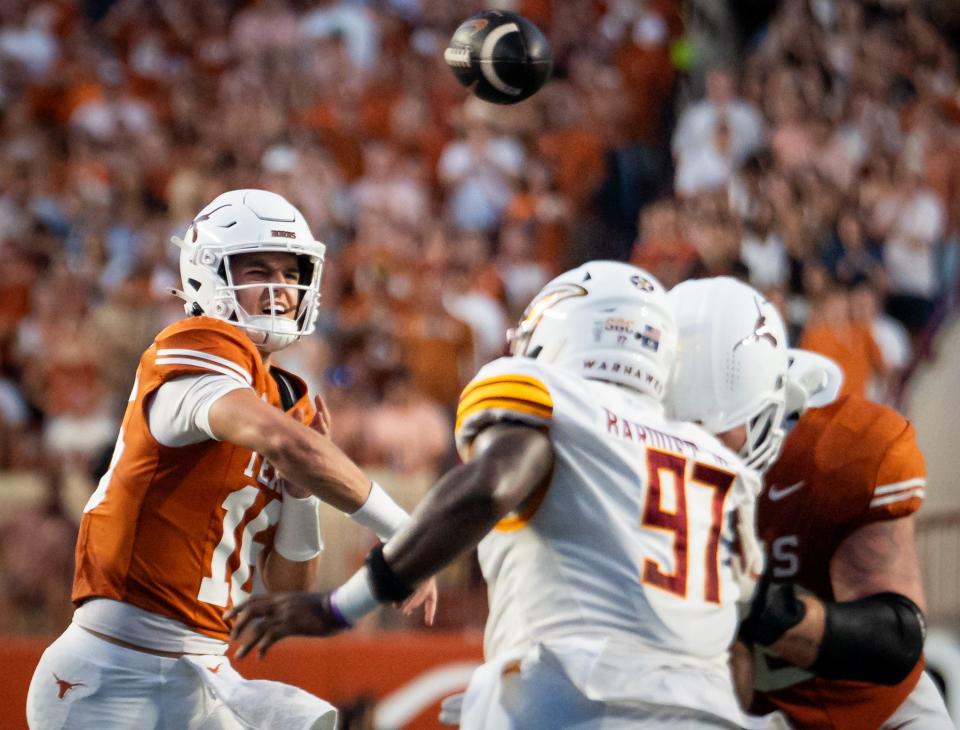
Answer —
337 615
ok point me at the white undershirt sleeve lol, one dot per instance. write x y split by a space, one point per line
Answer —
178 414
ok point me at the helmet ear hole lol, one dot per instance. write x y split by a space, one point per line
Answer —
305 264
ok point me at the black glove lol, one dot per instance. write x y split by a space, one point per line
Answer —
774 611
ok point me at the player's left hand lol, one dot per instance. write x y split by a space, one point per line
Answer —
321 422
426 595
269 618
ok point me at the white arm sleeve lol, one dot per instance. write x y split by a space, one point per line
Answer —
178 414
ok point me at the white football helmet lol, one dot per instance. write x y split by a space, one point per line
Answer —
732 364
245 221
604 321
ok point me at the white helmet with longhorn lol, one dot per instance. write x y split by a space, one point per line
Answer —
732 366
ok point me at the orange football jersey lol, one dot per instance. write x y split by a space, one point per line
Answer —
845 465
178 531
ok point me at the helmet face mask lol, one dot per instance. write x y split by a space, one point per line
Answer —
244 222
275 327
605 321
765 436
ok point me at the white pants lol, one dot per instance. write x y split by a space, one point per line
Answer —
537 695
924 709
84 682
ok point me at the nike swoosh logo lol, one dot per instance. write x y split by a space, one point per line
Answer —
777 493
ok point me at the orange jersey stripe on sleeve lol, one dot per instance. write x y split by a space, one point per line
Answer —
901 480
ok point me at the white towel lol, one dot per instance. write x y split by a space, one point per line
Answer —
262 704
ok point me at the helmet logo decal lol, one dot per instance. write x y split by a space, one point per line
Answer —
761 330
650 338
519 336
283 234
205 217
642 283
199 219
477 25
624 329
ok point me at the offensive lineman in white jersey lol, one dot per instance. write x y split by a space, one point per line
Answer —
605 530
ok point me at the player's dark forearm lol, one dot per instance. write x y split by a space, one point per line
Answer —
466 503
454 517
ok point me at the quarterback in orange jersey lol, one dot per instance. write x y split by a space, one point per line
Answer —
837 624
193 503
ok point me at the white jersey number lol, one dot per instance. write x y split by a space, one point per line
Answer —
663 467
786 558
232 564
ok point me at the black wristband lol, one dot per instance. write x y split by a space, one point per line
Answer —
387 586
774 611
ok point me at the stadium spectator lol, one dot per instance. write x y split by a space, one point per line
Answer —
522 275
436 346
723 120
662 245
469 298
848 254
14 417
709 165
406 432
891 337
762 249
916 227
832 331
36 562
479 174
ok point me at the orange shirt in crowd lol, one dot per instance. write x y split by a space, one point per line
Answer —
438 349
852 347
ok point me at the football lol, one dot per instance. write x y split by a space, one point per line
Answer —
502 56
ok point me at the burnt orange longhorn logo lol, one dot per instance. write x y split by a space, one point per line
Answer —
478 24
65 686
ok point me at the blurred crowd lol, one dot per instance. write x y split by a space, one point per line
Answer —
822 164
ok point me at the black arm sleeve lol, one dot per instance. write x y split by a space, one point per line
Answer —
876 639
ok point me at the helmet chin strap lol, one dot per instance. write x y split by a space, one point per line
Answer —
267 332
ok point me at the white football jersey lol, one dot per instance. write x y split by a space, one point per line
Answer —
629 543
